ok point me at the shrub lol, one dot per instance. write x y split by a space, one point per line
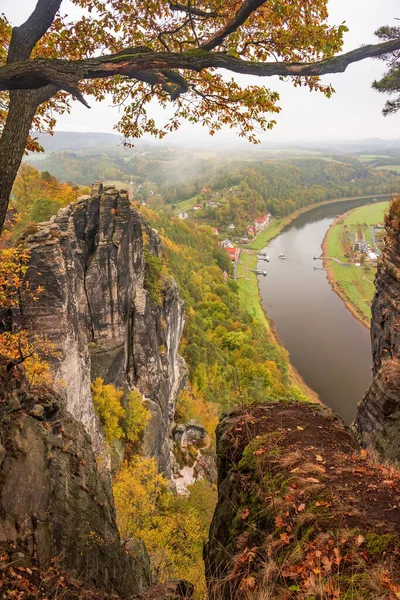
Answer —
137 416
152 277
172 527
107 405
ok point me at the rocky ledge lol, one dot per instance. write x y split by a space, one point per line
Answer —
56 509
302 512
377 424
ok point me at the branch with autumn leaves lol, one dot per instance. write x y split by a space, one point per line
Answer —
138 63
167 51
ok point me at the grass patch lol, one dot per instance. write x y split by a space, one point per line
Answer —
354 284
371 214
268 234
395 168
248 288
187 204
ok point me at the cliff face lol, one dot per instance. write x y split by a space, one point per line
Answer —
54 504
378 418
301 512
95 308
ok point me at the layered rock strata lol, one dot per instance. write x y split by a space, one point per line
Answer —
95 308
377 423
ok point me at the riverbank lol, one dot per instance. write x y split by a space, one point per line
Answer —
248 282
250 300
277 225
354 285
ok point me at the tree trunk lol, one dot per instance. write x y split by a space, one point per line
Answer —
22 109
23 103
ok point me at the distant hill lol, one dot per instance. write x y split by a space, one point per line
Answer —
369 145
74 140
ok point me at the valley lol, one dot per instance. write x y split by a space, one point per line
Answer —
199 300
168 336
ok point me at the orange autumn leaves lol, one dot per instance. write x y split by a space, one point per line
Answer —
288 31
17 344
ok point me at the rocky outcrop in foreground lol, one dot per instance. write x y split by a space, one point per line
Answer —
302 512
95 307
56 510
377 424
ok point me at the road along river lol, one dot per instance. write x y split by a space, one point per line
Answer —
327 345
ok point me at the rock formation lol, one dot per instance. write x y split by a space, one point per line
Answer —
378 418
54 503
302 512
96 309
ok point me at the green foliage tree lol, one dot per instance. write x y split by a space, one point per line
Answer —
231 357
152 277
42 209
390 82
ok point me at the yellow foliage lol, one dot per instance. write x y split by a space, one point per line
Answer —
13 266
137 488
19 346
193 406
31 350
137 416
172 527
107 404
30 185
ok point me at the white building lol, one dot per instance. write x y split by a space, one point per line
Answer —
227 244
183 215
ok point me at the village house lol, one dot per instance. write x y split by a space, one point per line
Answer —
231 226
196 207
232 253
183 215
227 244
261 223
216 230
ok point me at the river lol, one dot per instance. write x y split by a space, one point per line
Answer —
327 345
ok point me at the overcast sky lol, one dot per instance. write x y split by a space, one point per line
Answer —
354 112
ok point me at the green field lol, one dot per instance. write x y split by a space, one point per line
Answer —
248 287
369 157
186 205
395 168
371 214
354 284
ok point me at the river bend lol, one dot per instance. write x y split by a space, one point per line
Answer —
327 345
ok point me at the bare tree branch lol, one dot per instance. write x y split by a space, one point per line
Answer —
247 8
